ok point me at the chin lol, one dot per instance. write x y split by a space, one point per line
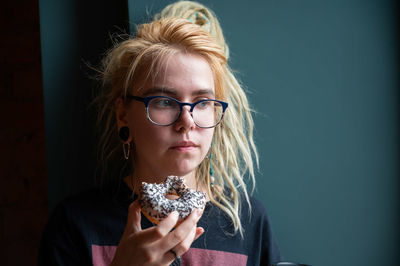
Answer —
182 172
183 168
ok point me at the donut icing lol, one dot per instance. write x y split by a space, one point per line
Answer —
155 206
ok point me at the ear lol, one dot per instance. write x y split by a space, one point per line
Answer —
121 113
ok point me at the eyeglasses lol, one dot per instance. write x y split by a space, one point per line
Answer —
164 110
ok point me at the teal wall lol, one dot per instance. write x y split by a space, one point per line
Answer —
323 78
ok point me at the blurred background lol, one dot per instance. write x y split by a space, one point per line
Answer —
322 76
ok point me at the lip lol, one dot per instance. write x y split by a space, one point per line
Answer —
184 146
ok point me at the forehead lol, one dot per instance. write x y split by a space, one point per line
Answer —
180 72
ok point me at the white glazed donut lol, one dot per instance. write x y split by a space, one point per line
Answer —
155 206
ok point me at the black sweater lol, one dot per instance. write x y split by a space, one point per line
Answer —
85 230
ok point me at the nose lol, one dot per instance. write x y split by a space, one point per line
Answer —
185 121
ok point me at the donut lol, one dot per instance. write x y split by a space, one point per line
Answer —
156 206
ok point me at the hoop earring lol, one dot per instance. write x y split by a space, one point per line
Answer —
127 149
123 134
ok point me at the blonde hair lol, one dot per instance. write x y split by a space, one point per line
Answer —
199 15
234 146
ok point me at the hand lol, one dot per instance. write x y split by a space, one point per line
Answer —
152 246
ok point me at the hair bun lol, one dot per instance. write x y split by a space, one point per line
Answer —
200 19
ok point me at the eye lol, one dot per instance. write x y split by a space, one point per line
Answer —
163 102
204 104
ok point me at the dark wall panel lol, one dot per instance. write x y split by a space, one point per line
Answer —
75 35
23 183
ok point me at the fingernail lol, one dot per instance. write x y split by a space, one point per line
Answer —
200 230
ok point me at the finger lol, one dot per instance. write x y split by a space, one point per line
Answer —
169 257
199 232
134 217
161 230
182 231
184 245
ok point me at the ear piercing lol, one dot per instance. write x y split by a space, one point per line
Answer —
124 133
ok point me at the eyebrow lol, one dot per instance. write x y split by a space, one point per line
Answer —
173 92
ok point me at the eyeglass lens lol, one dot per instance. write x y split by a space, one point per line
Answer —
165 111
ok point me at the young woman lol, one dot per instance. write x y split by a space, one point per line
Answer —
169 108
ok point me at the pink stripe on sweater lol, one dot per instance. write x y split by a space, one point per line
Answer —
103 255
206 257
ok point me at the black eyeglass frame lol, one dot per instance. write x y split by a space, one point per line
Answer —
147 99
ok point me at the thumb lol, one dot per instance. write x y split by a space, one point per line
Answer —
133 224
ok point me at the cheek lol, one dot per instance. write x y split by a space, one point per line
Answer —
137 124
146 142
207 137
147 136
137 119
